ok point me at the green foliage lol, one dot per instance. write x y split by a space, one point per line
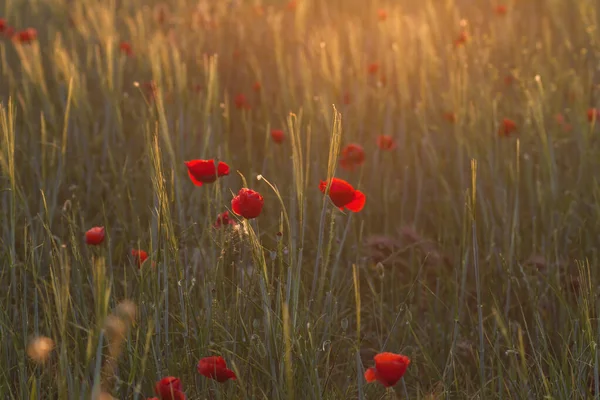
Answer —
475 254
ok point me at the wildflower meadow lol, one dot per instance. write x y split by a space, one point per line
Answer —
305 199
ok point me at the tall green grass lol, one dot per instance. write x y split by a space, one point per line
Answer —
475 255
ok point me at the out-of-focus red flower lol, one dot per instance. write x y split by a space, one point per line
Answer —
352 156
560 120
152 398
95 235
169 388
507 127
292 5
382 14
277 135
593 114
2 25
462 39
509 79
450 116
347 98
343 195
247 203
257 86
373 68
241 102
139 256
223 219
205 171
215 367
388 370
26 36
386 142
125 48
501 9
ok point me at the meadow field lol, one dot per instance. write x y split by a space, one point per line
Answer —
299 187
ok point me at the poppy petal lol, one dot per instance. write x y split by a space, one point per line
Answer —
370 375
194 180
358 202
222 169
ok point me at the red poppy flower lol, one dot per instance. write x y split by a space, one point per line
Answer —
501 9
352 156
215 368
140 256
373 68
382 14
241 102
347 98
507 127
450 117
223 219
126 48
152 398
169 388
386 142
26 36
593 114
205 171
257 86
95 235
247 203
388 369
461 39
2 25
343 195
277 135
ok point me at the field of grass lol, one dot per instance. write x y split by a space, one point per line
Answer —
475 254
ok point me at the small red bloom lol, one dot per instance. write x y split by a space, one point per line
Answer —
140 256
247 203
169 388
2 25
257 86
352 156
450 117
26 36
152 398
501 9
125 48
215 368
223 220
593 114
277 135
507 127
347 98
386 142
343 195
205 171
509 79
240 101
95 235
388 370
461 39
373 68
382 14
